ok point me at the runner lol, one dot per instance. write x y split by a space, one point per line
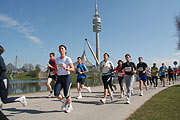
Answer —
4 85
111 83
52 74
105 67
149 78
163 70
130 70
154 74
170 75
81 71
142 68
64 80
120 74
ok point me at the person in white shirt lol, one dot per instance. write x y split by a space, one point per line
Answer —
64 80
105 67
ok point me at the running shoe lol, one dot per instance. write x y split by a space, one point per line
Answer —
141 93
121 95
69 109
22 100
64 103
50 95
132 92
112 98
89 89
103 100
127 100
155 87
79 97
146 88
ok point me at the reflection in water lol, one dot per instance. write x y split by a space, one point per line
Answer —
24 86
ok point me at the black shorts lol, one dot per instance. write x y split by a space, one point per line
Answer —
163 76
107 79
65 82
54 77
81 81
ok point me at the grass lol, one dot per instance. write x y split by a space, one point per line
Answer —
24 76
163 106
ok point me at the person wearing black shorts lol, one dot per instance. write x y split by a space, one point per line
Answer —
81 71
64 80
105 67
52 73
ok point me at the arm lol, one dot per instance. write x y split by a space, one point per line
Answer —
2 65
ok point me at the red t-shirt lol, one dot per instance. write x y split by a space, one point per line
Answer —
120 72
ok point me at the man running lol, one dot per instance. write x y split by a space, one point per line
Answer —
130 70
105 67
81 71
52 74
4 85
142 68
163 70
155 74
170 75
64 80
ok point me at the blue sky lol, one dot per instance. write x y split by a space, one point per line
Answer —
31 29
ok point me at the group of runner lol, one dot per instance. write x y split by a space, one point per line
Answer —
60 68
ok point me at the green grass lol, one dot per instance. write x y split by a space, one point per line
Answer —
163 106
24 76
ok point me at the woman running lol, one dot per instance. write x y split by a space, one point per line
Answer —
120 74
105 67
64 80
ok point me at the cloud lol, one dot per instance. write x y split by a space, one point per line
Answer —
10 23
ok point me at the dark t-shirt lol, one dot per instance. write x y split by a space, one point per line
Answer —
141 67
2 68
128 67
170 72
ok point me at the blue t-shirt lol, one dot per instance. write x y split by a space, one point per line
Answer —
81 68
163 70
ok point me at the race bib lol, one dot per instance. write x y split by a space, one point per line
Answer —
52 73
120 74
140 69
60 66
153 70
128 69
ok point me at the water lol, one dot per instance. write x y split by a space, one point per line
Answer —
24 86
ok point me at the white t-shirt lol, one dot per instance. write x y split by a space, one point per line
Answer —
66 61
108 64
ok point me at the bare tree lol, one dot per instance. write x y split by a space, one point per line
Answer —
178 30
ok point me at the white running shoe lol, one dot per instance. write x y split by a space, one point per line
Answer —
132 92
121 96
89 89
79 97
103 100
127 100
112 98
155 87
69 109
141 93
50 95
22 100
64 103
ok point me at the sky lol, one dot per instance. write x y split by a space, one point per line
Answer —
31 29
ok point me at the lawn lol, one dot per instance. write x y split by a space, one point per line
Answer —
163 106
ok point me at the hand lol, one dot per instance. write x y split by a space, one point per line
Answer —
144 72
134 71
64 66
49 65
80 72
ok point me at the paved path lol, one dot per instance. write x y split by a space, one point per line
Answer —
88 108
